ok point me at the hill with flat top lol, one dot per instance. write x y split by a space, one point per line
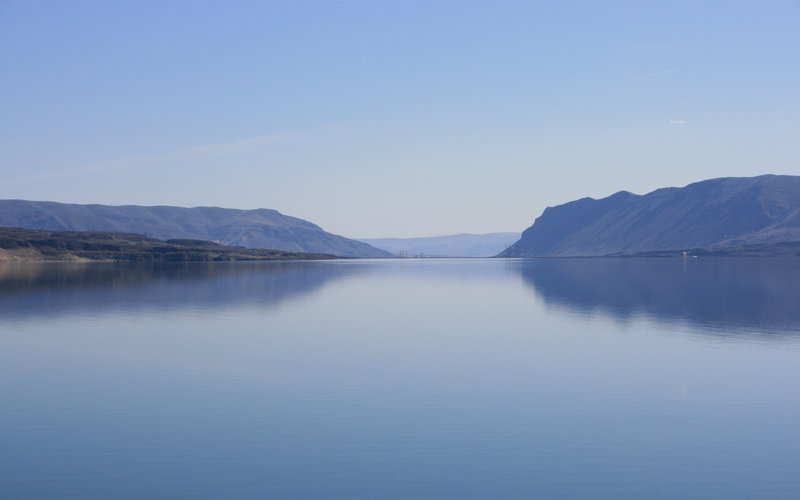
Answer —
261 228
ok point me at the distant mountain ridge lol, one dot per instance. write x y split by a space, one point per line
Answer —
454 245
260 228
724 212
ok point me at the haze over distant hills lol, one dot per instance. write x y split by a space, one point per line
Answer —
455 245
717 213
261 228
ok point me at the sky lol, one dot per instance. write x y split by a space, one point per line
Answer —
392 118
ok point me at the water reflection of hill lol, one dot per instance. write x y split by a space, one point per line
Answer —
52 289
717 293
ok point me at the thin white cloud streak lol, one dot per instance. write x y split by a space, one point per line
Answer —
110 165
677 122
649 76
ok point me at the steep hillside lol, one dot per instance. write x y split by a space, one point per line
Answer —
260 228
726 212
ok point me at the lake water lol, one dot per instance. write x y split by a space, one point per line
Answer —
440 379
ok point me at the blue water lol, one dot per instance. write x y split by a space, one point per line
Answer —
546 378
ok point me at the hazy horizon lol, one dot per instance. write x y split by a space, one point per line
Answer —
393 119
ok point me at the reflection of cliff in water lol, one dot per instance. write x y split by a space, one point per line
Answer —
718 293
53 289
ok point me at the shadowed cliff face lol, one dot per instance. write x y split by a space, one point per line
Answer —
715 213
721 294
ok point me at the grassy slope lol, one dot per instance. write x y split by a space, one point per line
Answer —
787 249
26 245
261 228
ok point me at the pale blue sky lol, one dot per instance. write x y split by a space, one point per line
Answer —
392 118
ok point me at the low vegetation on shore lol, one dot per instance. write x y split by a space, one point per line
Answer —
43 245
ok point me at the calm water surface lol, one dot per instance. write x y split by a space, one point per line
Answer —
595 378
